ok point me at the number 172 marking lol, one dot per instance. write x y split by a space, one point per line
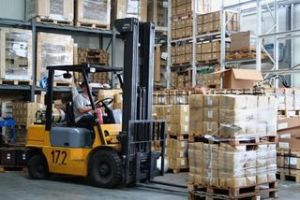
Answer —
59 157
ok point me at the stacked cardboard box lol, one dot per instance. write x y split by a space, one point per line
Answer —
158 12
177 154
115 94
288 156
212 80
288 100
182 27
242 41
96 56
232 153
182 80
209 51
129 8
182 54
231 166
196 114
171 97
93 12
15 54
24 113
50 10
211 22
53 49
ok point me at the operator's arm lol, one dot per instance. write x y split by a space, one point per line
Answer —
80 106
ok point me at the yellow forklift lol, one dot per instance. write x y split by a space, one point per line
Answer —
65 148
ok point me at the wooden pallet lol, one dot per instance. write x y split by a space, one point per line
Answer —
181 64
235 193
289 113
92 25
210 61
240 56
288 175
268 190
179 137
47 20
15 82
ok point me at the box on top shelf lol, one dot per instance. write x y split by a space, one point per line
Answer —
53 49
95 13
56 10
241 78
242 41
158 12
16 54
129 8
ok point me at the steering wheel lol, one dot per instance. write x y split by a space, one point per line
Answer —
104 102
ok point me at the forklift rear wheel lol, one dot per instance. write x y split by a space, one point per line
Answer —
105 169
37 167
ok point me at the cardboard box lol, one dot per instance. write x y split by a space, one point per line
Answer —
242 41
54 49
288 123
15 54
129 8
57 10
158 12
241 78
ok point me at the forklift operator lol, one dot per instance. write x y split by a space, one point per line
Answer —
83 111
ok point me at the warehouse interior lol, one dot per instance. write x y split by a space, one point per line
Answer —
149 99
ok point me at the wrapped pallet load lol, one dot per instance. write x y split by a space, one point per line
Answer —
129 8
54 49
57 11
93 13
16 54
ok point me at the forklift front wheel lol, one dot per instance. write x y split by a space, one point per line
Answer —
105 169
37 167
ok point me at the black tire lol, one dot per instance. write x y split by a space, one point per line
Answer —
38 167
105 169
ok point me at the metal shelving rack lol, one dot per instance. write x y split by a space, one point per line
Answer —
223 35
36 27
270 7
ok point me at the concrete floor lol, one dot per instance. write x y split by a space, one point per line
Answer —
16 186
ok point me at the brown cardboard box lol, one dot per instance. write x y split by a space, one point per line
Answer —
242 41
241 78
129 8
288 123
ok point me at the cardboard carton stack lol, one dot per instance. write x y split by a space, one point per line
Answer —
158 13
129 8
173 107
96 56
182 54
182 22
288 149
54 49
211 22
209 51
56 11
181 80
237 145
15 55
93 13
212 80
242 46
24 114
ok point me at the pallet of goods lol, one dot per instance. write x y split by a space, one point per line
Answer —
51 11
173 107
232 153
182 22
93 13
212 80
96 56
16 56
158 13
181 55
181 80
209 52
242 46
129 8
211 22
54 49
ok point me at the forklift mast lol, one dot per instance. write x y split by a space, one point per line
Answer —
138 128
